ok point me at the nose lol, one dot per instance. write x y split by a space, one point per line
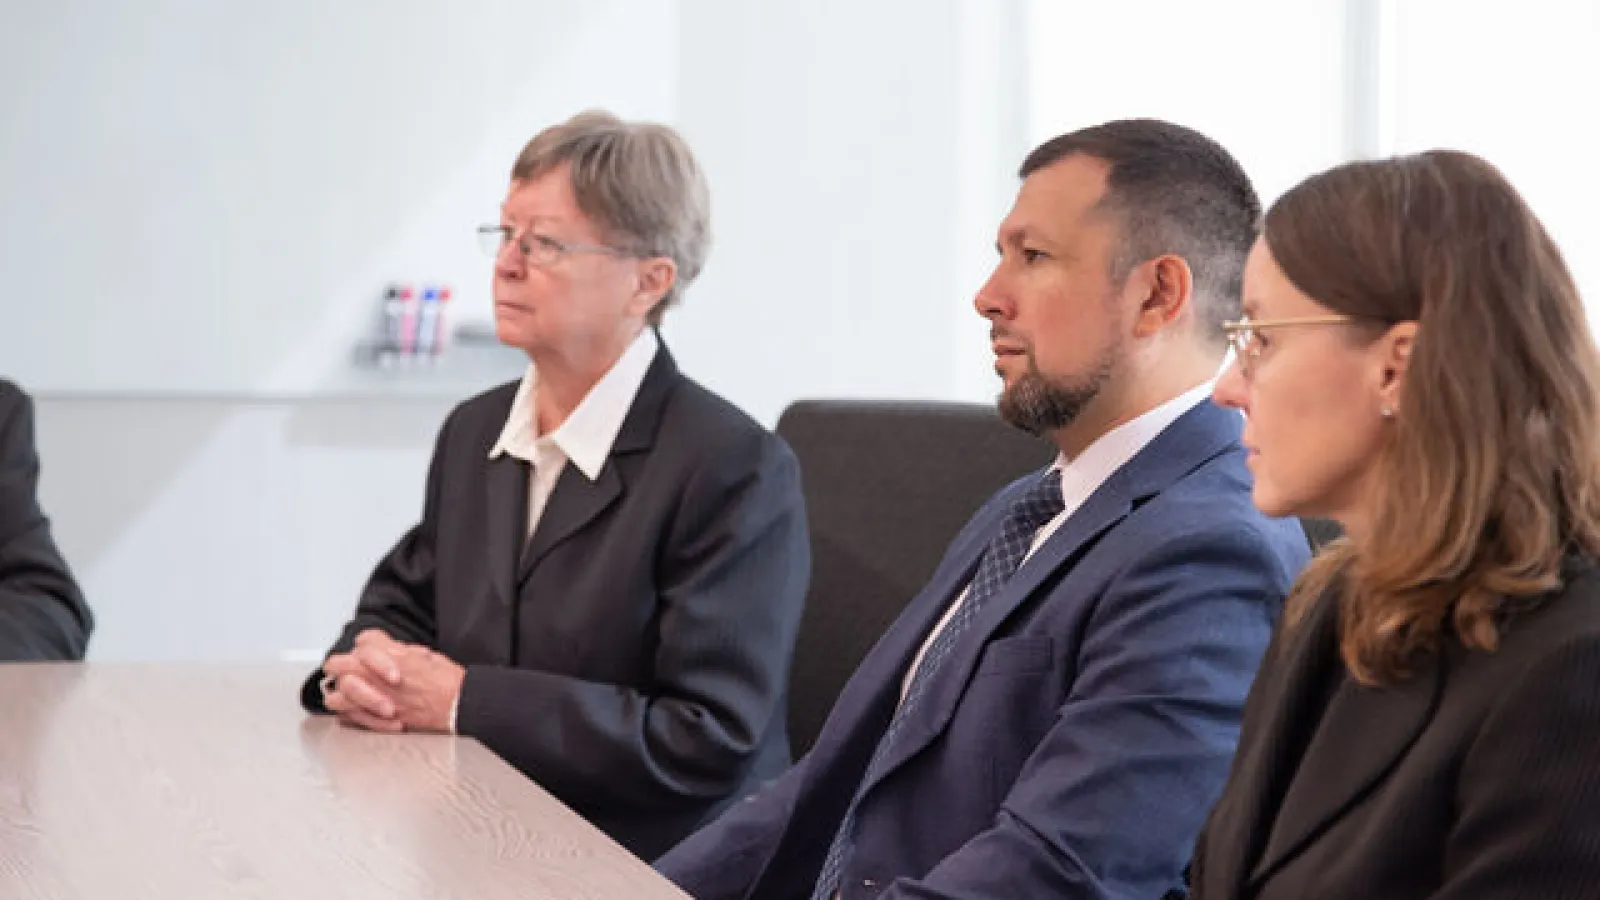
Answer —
990 301
1231 388
509 262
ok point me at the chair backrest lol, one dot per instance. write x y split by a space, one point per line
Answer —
887 486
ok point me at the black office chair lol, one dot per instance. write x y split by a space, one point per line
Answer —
887 486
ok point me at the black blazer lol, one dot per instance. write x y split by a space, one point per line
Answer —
42 612
1476 778
633 657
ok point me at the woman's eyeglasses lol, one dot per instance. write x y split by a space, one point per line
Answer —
1244 336
537 249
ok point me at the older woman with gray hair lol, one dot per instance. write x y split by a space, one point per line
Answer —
607 579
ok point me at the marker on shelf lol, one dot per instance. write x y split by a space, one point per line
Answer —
389 338
441 335
408 324
427 324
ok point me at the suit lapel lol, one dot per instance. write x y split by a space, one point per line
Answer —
873 692
943 695
573 504
1193 439
1282 695
507 505
1370 729
575 501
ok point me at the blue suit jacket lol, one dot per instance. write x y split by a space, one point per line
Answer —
1074 740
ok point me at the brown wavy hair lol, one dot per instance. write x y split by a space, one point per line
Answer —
1489 475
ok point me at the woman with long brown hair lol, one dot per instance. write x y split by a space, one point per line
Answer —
1416 364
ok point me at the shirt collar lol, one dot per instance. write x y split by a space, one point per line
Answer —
591 428
1083 475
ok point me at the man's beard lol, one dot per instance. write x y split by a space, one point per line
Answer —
1037 403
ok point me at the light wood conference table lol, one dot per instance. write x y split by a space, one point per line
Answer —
173 782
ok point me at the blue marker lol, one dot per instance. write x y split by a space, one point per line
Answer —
427 323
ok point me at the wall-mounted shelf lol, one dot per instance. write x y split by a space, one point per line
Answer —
467 369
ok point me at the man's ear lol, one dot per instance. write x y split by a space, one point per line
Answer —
1163 289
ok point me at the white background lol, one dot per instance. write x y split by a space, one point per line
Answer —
201 199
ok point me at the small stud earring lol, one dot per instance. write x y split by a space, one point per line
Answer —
1387 412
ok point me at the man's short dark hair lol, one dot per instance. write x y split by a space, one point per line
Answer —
1175 191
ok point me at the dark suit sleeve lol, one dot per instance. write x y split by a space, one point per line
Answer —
733 573
1272 661
1527 822
42 613
721 861
1109 802
399 597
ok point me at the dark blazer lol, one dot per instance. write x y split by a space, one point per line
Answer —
633 658
42 613
1073 741
1476 778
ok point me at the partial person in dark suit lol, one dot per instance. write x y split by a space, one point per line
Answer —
607 580
1415 363
1054 713
42 613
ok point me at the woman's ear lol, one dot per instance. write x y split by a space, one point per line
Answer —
1394 356
656 277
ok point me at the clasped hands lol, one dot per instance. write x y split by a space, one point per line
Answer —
387 685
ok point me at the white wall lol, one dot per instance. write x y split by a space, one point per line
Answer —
199 202
1265 78
1293 88
201 199
216 529
209 196
856 182
1517 85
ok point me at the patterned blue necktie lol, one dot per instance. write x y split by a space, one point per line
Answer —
1006 551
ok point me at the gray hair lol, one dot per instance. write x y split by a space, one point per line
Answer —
638 182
